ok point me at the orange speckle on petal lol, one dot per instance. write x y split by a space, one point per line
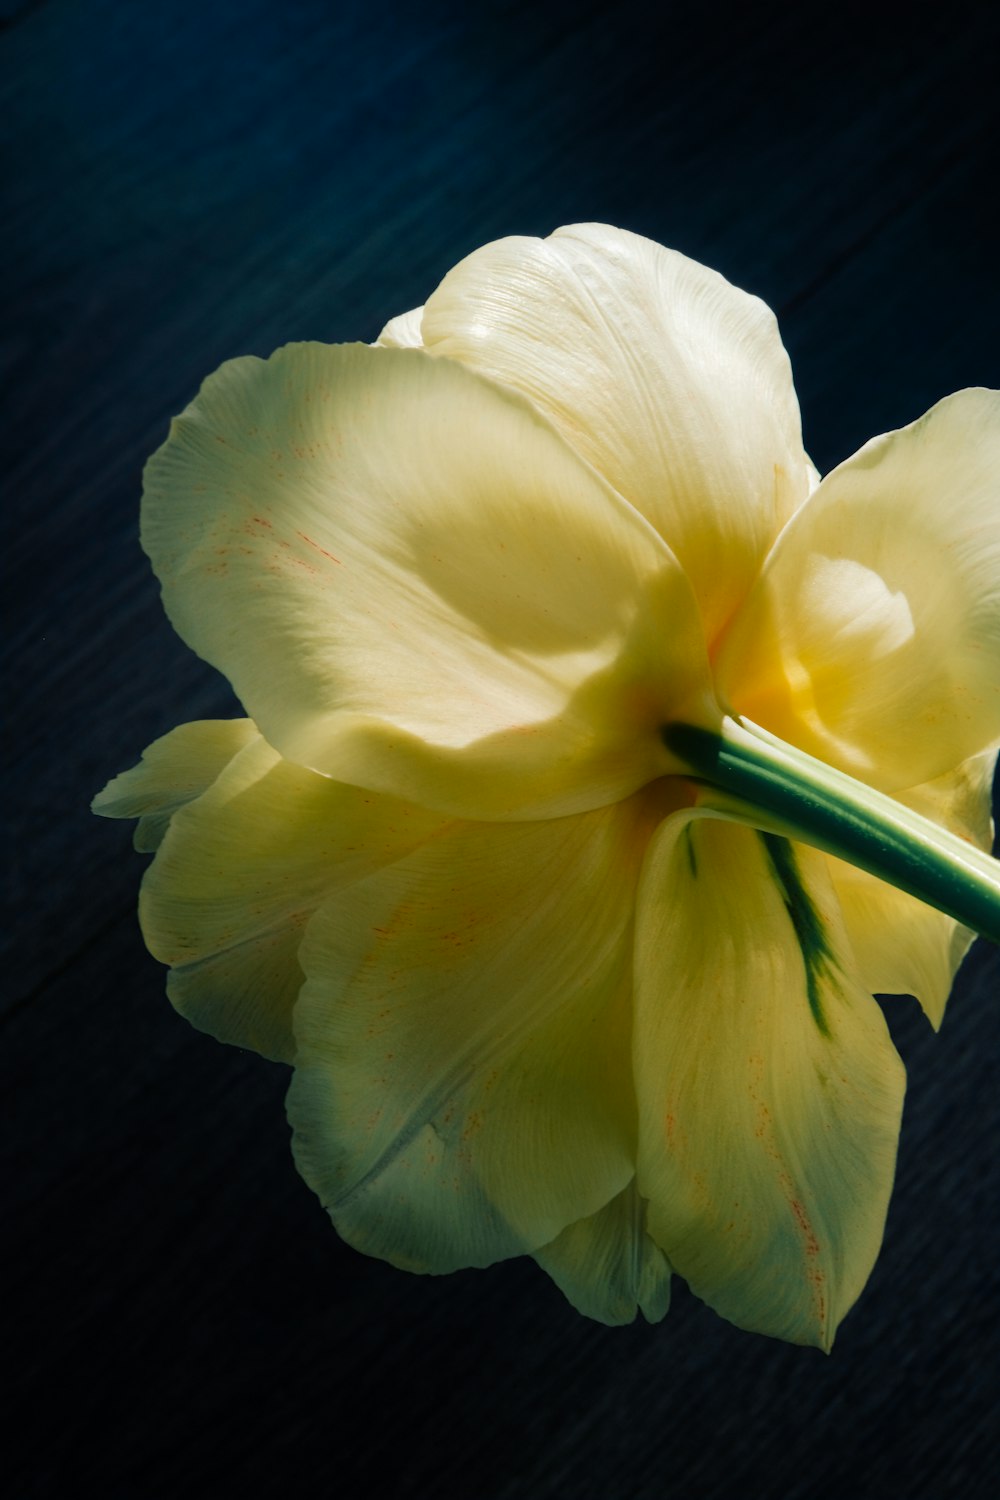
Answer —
310 543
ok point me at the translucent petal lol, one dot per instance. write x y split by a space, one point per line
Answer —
240 873
873 637
901 945
414 584
403 332
670 381
769 1091
174 770
463 1087
608 1266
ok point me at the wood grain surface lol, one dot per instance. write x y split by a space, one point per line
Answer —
186 181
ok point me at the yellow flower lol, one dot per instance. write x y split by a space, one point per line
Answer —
549 638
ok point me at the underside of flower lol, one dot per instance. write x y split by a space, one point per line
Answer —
600 763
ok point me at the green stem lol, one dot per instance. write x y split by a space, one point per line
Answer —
758 779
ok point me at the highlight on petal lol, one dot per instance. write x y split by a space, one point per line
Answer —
403 332
670 381
463 1085
415 585
240 873
608 1266
872 639
173 771
902 946
769 1090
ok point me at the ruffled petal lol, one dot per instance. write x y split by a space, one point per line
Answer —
403 332
902 946
463 1086
239 874
670 381
608 1266
873 637
769 1091
174 770
416 586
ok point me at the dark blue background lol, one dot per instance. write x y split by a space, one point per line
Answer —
187 181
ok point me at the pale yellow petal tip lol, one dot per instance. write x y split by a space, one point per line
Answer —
403 332
608 1267
174 769
812 1328
113 801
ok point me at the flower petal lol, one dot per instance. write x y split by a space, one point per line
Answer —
463 1086
669 380
414 584
240 873
608 1266
902 946
769 1091
403 332
173 770
873 637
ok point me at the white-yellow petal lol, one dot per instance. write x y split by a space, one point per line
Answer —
240 873
873 637
670 381
415 585
463 1086
901 945
173 770
608 1266
769 1090
404 331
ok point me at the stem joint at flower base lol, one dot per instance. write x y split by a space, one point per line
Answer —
750 776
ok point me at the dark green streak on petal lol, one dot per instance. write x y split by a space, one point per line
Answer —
692 857
805 919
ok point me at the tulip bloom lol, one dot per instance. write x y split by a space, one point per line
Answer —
599 764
